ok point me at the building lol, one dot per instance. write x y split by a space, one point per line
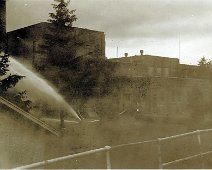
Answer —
26 41
3 24
162 87
147 65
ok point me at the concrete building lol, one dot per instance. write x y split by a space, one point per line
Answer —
147 65
162 87
158 66
26 41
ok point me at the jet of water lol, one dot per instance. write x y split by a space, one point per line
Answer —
33 81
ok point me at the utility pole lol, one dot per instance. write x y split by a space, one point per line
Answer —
117 52
179 47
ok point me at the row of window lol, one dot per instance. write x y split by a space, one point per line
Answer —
158 71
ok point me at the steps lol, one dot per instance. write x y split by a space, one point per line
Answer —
29 116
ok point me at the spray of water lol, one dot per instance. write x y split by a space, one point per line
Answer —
37 85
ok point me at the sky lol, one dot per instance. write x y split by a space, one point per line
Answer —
170 28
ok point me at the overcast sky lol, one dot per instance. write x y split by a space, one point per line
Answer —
131 25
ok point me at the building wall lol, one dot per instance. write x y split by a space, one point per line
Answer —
3 24
146 65
155 66
175 96
174 90
21 41
164 97
93 43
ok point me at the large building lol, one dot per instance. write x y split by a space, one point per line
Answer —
158 66
147 65
26 41
162 87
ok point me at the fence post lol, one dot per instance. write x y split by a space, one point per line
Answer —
159 154
108 157
200 147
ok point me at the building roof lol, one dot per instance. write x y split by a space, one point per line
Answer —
149 58
46 24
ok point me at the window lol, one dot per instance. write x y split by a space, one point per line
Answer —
150 71
166 72
158 72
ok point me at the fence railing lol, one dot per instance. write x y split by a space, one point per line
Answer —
158 142
200 154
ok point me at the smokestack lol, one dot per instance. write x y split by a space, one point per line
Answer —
126 54
141 52
3 34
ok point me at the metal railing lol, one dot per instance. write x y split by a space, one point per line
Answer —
29 116
200 154
43 163
108 149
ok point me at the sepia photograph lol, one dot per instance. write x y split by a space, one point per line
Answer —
105 84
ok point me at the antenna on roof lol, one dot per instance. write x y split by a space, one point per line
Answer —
179 46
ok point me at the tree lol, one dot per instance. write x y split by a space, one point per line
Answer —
203 62
63 18
9 81
92 73
59 43
85 76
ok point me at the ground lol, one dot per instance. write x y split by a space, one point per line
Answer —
22 143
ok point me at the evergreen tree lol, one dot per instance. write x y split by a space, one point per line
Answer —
59 43
10 81
204 63
84 74
63 18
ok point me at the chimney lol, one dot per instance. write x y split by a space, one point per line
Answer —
3 35
141 52
126 54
